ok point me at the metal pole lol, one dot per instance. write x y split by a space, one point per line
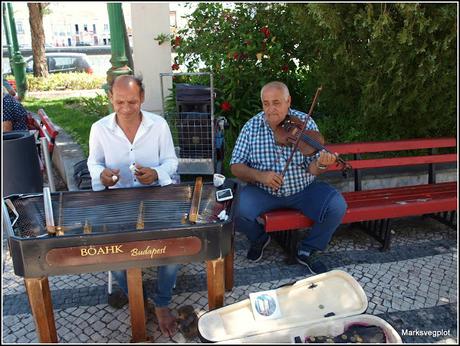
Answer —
19 65
213 146
48 163
48 207
7 226
8 36
119 60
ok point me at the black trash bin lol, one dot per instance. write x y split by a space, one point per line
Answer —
21 167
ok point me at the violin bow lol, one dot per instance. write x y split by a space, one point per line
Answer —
304 126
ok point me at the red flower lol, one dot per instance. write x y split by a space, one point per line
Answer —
175 66
225 106
285 68
266 31
235 56
177 41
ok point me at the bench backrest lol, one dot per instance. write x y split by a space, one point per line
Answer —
357 149
45 128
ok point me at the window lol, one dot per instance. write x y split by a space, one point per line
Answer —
19 27
106 27
173 19
85 27
76 29
94 28
64 63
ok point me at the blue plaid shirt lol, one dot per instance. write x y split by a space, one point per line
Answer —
256 148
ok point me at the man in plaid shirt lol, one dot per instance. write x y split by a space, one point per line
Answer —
259 161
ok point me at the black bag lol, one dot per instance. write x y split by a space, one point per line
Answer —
81 175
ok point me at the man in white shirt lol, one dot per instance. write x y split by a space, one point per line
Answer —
130 148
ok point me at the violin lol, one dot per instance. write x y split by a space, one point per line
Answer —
292 132
288 131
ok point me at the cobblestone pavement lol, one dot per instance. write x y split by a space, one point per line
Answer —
413 287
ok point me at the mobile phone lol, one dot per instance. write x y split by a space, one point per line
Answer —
224 195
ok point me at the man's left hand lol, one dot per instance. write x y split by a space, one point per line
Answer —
146 175
327 158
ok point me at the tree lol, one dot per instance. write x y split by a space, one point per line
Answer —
36 12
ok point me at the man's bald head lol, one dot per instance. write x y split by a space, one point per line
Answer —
126 81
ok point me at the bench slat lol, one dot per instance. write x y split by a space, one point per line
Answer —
409 144
47 129
48 124
374 205
379 212
404 199
394 192
398 161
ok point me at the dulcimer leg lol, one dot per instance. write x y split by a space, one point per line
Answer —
38 292
216 283
136 305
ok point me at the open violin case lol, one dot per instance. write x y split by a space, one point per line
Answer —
327 308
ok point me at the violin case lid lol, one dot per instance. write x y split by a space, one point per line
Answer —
323 304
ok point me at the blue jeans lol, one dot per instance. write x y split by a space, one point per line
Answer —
319 201
166 279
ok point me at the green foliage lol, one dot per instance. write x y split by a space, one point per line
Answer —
65 81
98 105
388 70
74 114
162 38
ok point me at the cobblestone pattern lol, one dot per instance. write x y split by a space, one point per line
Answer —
413 287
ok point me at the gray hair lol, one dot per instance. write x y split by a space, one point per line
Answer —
276 85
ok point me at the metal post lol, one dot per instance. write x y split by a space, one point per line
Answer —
6 25
48 163
19 65
7 226
119 60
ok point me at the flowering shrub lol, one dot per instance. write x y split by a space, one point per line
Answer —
243 48
386 69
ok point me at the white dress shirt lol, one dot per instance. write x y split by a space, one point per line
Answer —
152 147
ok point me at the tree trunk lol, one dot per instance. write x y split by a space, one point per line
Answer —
38 38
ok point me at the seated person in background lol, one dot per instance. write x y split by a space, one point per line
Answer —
14 114
9 88
132 136
258 160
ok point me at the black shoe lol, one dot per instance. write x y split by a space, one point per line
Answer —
257 250
117 299
312 262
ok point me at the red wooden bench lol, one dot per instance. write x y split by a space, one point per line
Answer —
374 208
45 128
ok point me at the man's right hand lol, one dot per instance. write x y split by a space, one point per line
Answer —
107 176
270 179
